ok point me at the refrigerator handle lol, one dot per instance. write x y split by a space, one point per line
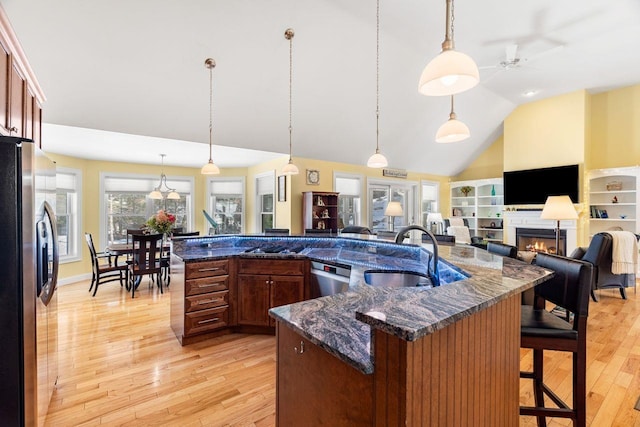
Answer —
52 276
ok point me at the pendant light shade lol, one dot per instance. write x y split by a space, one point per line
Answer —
290 168
377 160
451 71
210 168
453 130
162 190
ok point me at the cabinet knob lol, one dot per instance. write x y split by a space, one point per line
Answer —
301 348
266 281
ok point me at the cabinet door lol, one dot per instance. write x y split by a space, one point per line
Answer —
37 124
5 60
286 290
28 115
253 300
16 103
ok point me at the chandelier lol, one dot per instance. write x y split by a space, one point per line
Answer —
162 190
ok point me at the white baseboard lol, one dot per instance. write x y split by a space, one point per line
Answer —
74 279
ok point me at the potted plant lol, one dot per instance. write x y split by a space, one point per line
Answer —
466 190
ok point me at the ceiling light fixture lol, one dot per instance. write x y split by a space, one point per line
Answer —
451 71
453 130
162 190
377 160
290 168
210 168
530 93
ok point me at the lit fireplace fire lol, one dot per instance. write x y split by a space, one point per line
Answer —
540 246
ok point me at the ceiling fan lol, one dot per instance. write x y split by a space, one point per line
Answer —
513 60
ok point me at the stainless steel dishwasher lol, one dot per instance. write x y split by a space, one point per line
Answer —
328 279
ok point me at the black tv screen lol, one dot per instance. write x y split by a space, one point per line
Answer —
533 186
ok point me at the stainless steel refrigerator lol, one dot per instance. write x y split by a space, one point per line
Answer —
28 278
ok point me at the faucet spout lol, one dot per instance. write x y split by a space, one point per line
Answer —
400 239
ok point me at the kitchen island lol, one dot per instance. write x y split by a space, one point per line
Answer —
446 355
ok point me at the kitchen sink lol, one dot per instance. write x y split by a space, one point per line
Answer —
396 279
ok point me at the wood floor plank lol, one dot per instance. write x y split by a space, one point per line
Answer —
121 365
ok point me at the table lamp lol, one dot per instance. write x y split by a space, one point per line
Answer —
393 209
558 208
435 218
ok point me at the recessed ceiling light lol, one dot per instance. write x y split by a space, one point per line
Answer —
530 93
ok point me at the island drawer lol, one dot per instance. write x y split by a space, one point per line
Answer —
205 301
195 270
271 266
206 320
205 285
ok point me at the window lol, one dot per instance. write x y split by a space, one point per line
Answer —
68 190
430 198
349 210
265 185
126 204
226 204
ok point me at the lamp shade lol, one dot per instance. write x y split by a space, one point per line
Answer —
290 169
559 207
452 130
210 169
434 217
173 195
377 161
449 73
155 194
393 209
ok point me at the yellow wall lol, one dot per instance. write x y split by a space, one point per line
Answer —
545 133
615 129
490 163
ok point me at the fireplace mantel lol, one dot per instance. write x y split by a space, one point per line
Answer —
531 219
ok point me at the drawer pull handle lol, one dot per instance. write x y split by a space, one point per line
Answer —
301 348
208 285
202 270
208 301
215 319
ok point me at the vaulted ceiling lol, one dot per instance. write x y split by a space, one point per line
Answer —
137 67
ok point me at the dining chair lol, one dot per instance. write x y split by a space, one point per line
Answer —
100 272
542 330
276 231
146 259
503 249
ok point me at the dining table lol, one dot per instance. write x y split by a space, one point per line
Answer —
122 249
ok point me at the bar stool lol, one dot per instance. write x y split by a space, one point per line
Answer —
542 330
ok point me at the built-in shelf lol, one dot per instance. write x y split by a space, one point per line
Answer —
614 193
482 206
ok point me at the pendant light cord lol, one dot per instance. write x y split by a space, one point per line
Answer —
210 114
290 37
377 75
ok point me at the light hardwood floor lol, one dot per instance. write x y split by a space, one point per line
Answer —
120 364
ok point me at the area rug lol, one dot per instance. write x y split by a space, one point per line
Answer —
637 405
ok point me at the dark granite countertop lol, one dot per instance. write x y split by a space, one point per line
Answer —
341 324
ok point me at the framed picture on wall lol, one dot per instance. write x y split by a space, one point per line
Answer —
282 188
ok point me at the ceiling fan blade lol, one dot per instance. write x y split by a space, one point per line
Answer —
544 53
487 67
511 52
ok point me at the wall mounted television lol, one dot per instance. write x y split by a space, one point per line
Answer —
533 186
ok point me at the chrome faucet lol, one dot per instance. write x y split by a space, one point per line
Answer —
400 239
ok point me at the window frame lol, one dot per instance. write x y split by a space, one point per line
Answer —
209 198
78 238
423 214
258 198
360 179
411 189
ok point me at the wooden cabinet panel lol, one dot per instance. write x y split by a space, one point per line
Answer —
314 387
37 124
28 114
205 301
320 211
206 320
285 267
5 61
16 102
205 285
286 290
253 300
207 269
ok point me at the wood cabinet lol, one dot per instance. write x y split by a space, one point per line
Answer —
614 199
20 95
267 283
320 211
481 205
201 298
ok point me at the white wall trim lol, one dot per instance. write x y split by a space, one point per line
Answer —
74 279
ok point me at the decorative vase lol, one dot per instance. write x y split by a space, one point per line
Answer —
493 190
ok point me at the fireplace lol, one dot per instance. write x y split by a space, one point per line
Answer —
514 220
540 240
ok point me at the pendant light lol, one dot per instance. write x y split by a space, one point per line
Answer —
453 130
210 168
377 160
290 168
162 190
451 71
